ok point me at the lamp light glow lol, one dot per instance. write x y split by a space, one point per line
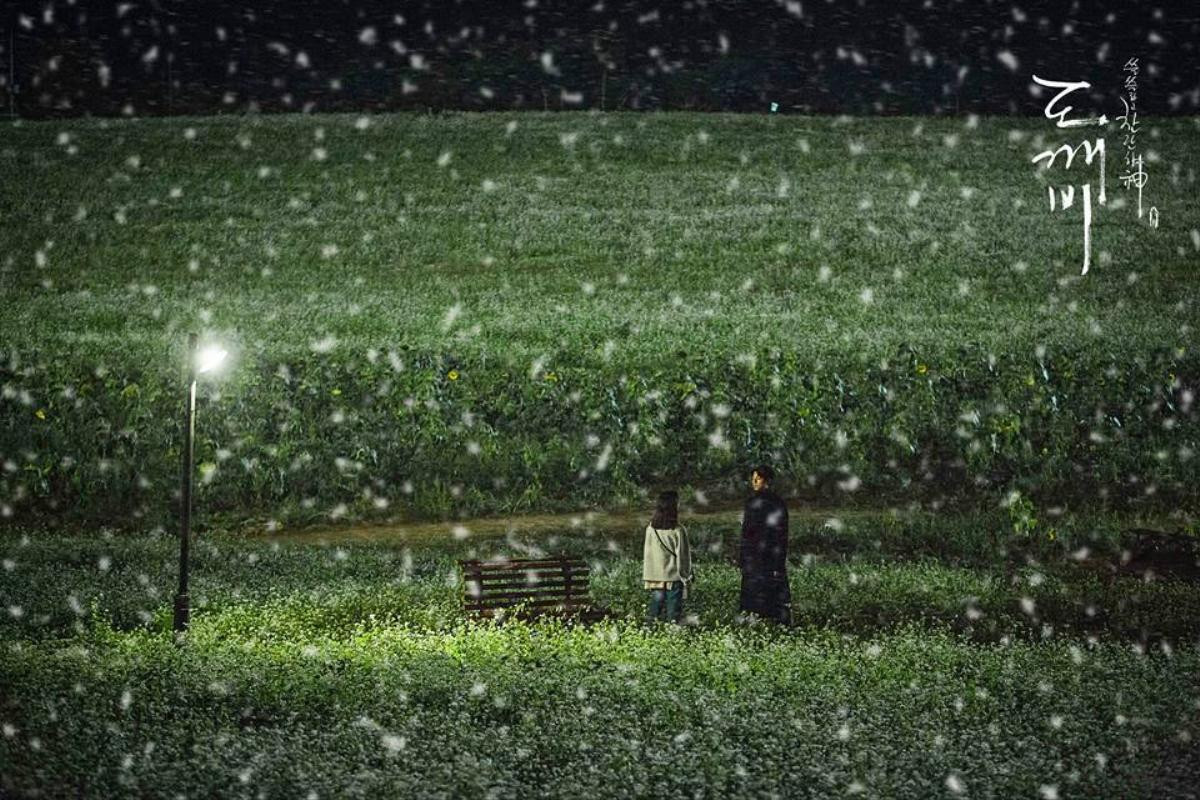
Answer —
210 358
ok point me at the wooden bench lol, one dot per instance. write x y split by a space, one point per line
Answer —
556 586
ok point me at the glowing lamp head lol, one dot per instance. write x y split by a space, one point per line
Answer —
210 358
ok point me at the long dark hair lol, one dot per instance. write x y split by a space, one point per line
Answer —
666 513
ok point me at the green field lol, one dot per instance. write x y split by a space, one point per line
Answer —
482 313
922 665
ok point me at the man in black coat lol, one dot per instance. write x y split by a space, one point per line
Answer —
763 552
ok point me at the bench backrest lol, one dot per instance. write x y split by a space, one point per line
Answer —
540 584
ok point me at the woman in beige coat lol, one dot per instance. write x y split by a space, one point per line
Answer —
667 560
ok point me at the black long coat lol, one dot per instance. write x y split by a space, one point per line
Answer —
763 556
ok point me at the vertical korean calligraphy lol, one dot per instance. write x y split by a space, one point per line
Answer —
1066 197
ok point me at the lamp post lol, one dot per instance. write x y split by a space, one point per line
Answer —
206 360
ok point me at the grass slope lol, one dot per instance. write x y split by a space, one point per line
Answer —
499 312
658 232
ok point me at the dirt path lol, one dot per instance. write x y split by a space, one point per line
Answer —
614 523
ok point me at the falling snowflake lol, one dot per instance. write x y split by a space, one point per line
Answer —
323 345
603 458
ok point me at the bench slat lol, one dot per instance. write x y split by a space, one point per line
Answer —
560 592
505 566
498 575
524 578
517 583
504 561
522 586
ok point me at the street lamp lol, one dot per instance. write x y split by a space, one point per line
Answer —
206 360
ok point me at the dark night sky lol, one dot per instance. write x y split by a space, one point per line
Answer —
826 56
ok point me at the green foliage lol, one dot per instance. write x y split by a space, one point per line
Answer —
1021 514
266 446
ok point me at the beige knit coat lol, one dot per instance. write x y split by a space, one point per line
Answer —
666 557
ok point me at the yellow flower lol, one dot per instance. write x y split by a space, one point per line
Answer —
40 413
336 392
452 374
550 376
922 369
1029 380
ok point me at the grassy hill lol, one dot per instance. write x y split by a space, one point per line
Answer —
498 311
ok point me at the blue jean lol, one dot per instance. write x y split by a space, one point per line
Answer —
671 598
